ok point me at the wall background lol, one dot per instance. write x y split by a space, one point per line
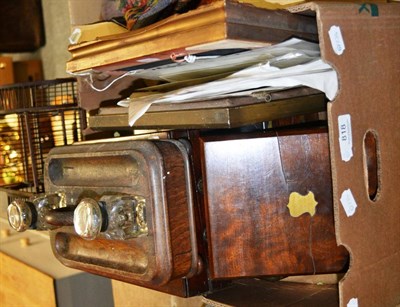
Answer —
55 53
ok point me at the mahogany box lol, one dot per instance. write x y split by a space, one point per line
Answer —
269 205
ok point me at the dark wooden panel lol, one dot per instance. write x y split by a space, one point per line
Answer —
21 26
157 171
217 117
250 230
181 222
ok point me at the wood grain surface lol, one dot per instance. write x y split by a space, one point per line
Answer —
158 171
250 230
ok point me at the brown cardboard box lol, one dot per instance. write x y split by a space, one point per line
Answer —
362 43
369 95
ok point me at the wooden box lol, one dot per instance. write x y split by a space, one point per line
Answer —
157 245
269 207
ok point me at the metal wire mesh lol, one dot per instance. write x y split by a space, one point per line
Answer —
22 96
34 118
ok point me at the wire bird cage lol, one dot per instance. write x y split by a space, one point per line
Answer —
34 118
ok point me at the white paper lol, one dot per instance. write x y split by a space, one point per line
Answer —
315 74
336 38
138 107
348 202
204 66
353 303
345 137
290 64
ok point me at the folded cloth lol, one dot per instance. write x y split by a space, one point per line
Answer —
134 14
139 13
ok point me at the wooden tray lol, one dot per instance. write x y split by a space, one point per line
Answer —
219 113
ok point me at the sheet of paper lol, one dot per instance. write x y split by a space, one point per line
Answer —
204 67
315 74
289 64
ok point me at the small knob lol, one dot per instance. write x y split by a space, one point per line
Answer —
21 215
88 219
5 233
24 242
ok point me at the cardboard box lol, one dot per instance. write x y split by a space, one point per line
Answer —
361 41
355 40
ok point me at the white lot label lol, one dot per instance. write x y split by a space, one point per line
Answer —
75 36
353 303
348 202
345 137
337 41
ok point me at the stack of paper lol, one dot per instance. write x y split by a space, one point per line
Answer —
290 64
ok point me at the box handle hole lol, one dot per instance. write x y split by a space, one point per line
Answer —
372 164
